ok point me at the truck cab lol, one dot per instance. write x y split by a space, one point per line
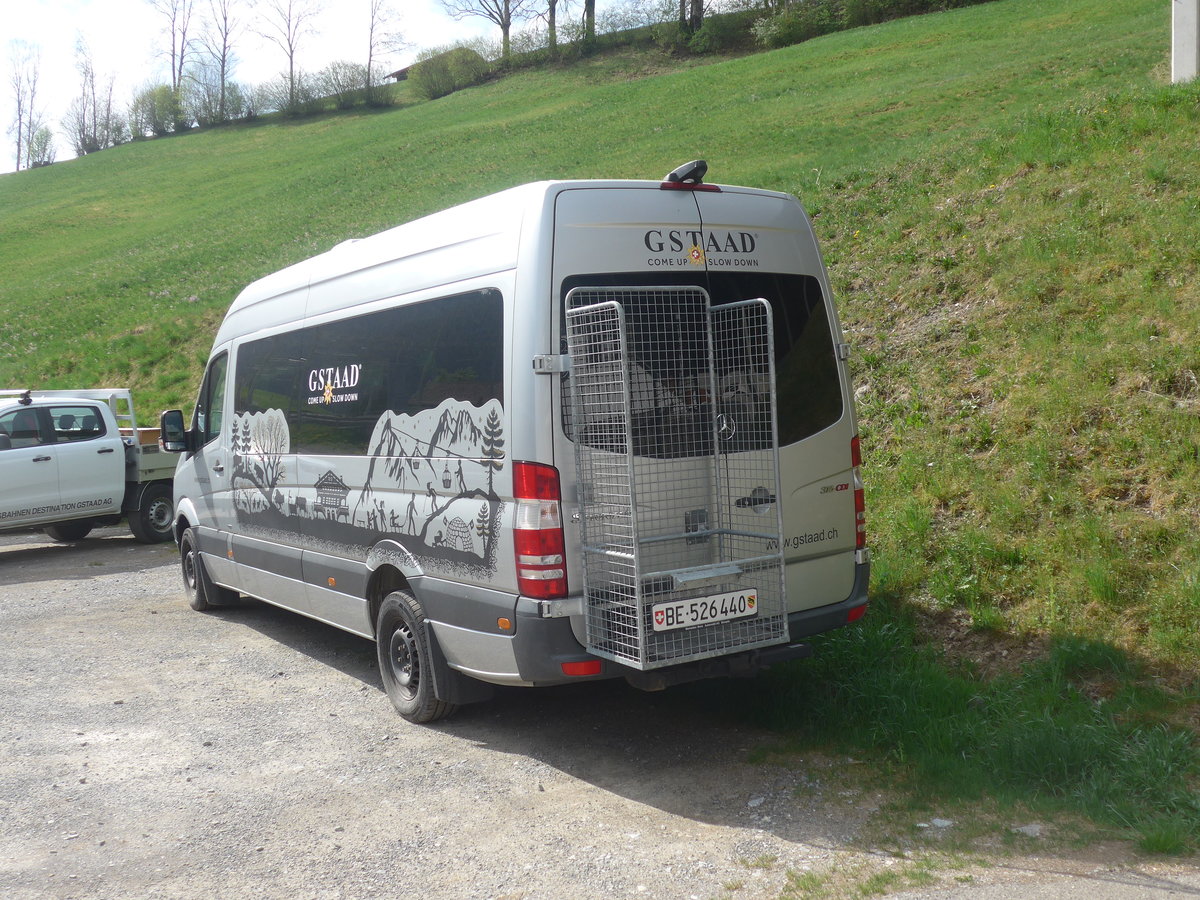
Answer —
68 465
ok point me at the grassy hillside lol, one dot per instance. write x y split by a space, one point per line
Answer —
130 256
1008 199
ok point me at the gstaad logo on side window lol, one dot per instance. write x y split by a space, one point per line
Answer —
324 385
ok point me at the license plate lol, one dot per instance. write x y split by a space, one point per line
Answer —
704 610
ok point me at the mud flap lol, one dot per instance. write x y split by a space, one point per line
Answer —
450 685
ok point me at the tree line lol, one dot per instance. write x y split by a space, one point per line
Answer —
200 39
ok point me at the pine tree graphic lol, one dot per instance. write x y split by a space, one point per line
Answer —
493 448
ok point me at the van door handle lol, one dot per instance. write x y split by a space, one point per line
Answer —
42 458
759 497
105 450
218 468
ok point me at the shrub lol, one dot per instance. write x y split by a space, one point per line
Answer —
669 37
343 82
441 72
800 23
155 111
719 33
467 67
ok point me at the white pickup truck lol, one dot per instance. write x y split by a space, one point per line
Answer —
72 460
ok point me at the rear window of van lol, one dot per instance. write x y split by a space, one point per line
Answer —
808 385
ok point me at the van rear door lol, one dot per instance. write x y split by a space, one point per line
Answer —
762 245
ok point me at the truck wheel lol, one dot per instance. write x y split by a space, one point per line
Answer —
67 532
202 593
151 522
405 661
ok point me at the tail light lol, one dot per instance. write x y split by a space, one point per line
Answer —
860 500
538 541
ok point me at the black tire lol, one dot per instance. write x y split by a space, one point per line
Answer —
152 522
69 532
202 593
405 662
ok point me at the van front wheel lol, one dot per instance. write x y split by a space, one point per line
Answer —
202 593
405 661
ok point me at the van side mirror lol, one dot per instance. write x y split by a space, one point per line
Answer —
173 434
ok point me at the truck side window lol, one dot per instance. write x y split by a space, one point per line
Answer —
76 423
210 405
23 428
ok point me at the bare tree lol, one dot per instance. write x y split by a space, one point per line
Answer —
178 14
27 118
216 38
589 21
92 121
550 14
383 37
503 12
287 23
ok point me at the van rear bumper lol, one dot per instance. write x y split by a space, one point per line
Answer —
808 622
543 645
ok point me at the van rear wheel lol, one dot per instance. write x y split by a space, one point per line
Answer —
405 661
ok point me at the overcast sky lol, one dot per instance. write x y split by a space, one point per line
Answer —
126 41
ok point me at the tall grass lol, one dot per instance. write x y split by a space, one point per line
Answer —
1077 731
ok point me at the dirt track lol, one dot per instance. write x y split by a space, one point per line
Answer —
151 751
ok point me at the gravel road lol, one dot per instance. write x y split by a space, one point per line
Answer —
152 751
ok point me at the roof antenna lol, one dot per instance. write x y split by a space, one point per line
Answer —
688 173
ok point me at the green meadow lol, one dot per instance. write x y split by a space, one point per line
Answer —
1008 196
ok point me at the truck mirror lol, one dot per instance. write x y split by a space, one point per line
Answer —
173 435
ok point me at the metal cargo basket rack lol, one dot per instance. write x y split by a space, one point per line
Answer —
674 422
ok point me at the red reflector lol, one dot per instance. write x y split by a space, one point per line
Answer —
535 481
684 186
860 497
587 667
855 614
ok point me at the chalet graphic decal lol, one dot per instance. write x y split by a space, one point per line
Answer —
427 481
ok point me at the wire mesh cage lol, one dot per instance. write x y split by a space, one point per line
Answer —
677 454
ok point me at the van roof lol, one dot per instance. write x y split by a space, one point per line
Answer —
482 236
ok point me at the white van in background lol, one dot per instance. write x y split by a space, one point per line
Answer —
573 430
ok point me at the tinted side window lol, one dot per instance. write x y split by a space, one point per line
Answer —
334 381
23 428
76 423
210 405
268 374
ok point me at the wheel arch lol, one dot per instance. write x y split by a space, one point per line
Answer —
185 517
383 581
391 568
